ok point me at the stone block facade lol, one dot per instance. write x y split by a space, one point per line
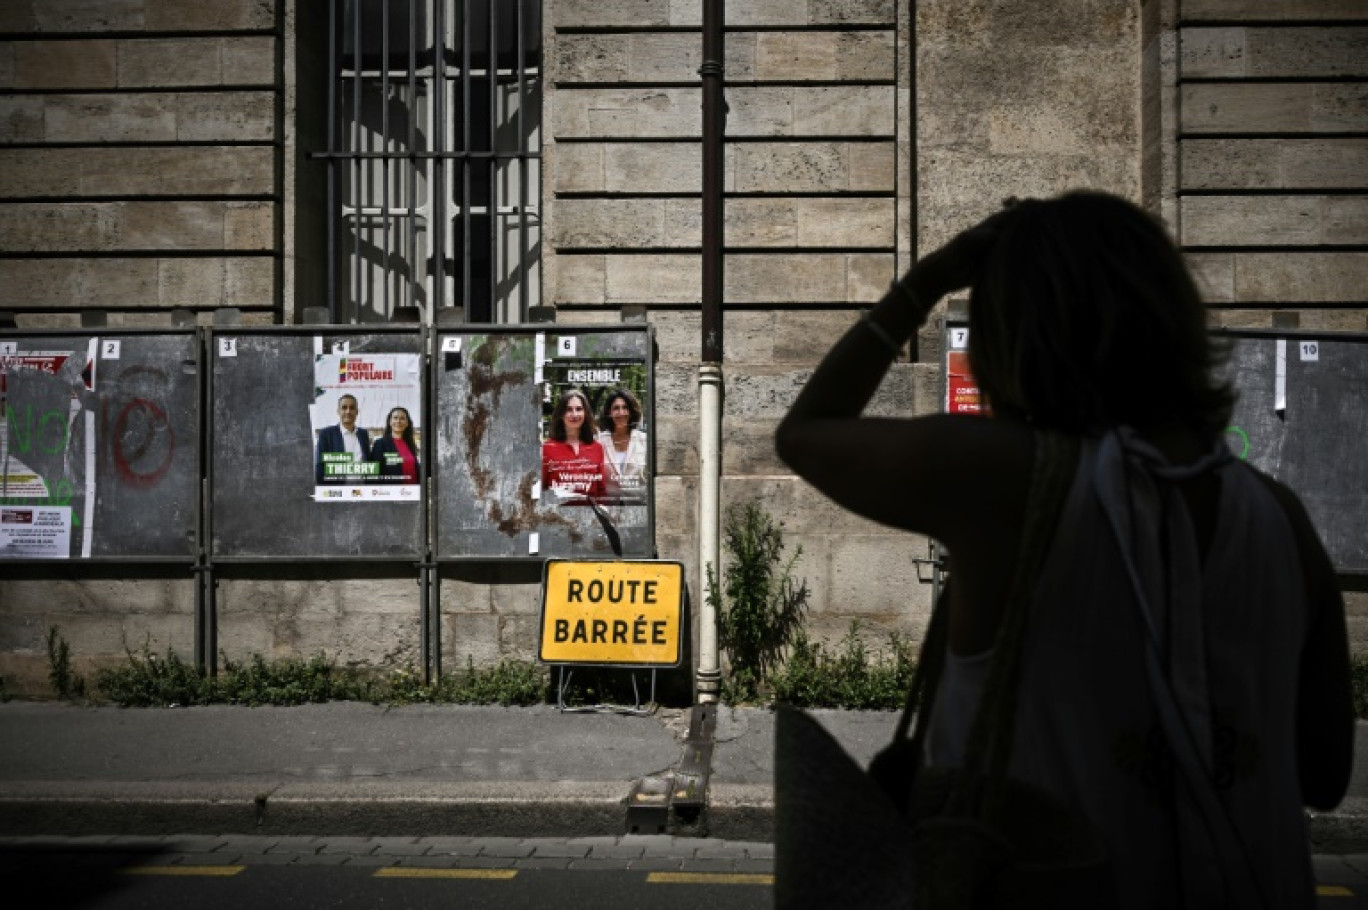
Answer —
154 159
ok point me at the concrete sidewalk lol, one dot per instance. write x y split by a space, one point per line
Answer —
348 768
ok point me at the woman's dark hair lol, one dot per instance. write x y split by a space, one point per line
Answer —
1084 316
587 431
633 409
407 435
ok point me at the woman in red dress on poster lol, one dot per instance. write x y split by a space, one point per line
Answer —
397 450
572 461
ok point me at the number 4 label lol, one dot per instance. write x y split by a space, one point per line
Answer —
1310 350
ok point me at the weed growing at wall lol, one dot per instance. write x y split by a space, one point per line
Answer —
510 682
67 684
148 680
1358 668
760 606
848 676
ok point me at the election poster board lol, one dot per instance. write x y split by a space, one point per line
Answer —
511 480
286 482
99 445
1300 416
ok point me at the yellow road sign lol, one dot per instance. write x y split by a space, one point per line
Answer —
625 613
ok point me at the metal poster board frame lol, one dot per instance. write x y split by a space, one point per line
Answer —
100 446
273 396
495 393
1301 416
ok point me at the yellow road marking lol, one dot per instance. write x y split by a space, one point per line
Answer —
1333 891
219 871
413 872
709 878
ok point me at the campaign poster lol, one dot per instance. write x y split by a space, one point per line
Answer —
47 450
367 427
595 432
962 393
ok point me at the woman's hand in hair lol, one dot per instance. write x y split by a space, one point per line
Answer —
956 264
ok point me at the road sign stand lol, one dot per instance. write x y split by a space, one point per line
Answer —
565 672
614 615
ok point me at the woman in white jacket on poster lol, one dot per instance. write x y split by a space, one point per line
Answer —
624 446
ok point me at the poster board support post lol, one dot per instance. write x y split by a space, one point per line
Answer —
564 673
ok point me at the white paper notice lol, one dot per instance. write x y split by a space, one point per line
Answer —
1280 378
35 532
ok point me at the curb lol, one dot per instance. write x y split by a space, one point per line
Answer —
478 810
735 812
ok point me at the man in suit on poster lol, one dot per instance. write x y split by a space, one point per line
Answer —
346 437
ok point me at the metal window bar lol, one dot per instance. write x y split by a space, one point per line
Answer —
402 217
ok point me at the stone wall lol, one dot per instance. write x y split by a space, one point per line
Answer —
138 172
153 167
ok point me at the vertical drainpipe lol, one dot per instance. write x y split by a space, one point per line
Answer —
710 367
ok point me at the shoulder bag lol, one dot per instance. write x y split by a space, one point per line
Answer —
905 834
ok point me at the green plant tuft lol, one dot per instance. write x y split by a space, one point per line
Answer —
848 676
147 680
760 605
67 684
1358 669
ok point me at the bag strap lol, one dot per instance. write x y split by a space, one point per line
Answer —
990 739
926 674
980 791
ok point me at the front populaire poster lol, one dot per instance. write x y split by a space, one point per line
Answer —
366 417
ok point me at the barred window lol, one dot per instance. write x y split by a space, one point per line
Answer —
434 170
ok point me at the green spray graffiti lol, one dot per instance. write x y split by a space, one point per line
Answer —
1244 449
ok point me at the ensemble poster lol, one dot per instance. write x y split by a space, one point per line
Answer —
366 418
595 435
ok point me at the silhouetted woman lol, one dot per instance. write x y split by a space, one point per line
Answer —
1084 321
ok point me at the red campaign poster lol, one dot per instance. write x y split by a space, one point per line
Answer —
962 395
